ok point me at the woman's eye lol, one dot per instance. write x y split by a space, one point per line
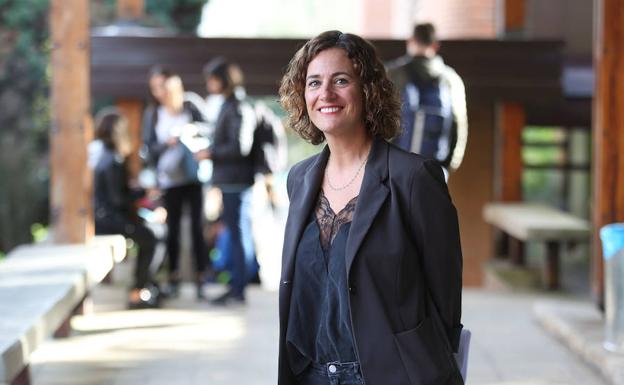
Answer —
341 81
313 83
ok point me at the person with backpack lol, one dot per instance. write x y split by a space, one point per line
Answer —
233 169
434 121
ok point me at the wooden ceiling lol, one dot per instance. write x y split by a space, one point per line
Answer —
506 70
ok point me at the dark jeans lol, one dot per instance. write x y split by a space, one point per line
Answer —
175 199
332 373
142 236
237 218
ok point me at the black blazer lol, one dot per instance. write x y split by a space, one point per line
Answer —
404 267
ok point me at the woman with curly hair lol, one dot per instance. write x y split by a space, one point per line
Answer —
370 290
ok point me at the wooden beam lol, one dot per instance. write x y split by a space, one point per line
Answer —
509 146
71 128
130 9
526 71
515 12
608 129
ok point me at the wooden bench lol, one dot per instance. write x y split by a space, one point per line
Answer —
537 222
41 287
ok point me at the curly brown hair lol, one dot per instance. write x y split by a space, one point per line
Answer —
381 108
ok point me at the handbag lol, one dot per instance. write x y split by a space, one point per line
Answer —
177 164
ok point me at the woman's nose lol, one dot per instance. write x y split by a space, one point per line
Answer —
327 92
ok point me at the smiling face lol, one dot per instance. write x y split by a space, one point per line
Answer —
333 94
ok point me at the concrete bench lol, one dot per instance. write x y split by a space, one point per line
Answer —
41 287
537 222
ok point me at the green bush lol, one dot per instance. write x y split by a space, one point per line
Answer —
24 118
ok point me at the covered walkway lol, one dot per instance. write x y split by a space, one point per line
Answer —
195 343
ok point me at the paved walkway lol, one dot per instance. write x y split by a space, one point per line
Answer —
196 343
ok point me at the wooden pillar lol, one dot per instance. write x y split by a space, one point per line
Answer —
608 129
132 108
130 9
515 13
71 127
511 119
471 188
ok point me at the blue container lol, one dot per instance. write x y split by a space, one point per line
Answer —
612 237
613 251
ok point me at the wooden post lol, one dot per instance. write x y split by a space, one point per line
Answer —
514 15
71 128
551 272
132 108
509 144
608 129
471 188
130 9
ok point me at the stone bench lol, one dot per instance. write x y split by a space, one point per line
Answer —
41 287
537 222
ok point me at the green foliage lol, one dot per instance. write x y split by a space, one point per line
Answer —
39 232
182 16
543 185
24 118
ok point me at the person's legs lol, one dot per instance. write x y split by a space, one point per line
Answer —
173 205
251 265
232 219
195 199
146 241
144 293
194 195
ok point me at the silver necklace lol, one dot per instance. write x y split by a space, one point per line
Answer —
350 182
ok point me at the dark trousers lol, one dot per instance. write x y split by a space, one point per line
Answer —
236 215
142 236
175 199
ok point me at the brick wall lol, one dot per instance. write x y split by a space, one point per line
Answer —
461 18
453 18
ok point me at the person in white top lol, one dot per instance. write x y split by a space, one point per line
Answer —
176 169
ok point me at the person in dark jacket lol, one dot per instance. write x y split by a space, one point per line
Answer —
233 170
370 290
415 75
114 202
163 125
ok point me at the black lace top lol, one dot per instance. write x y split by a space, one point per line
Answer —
328 222
319 326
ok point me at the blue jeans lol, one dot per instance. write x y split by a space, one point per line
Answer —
237 218
332 373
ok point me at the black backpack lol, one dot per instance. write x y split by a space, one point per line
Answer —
427 120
